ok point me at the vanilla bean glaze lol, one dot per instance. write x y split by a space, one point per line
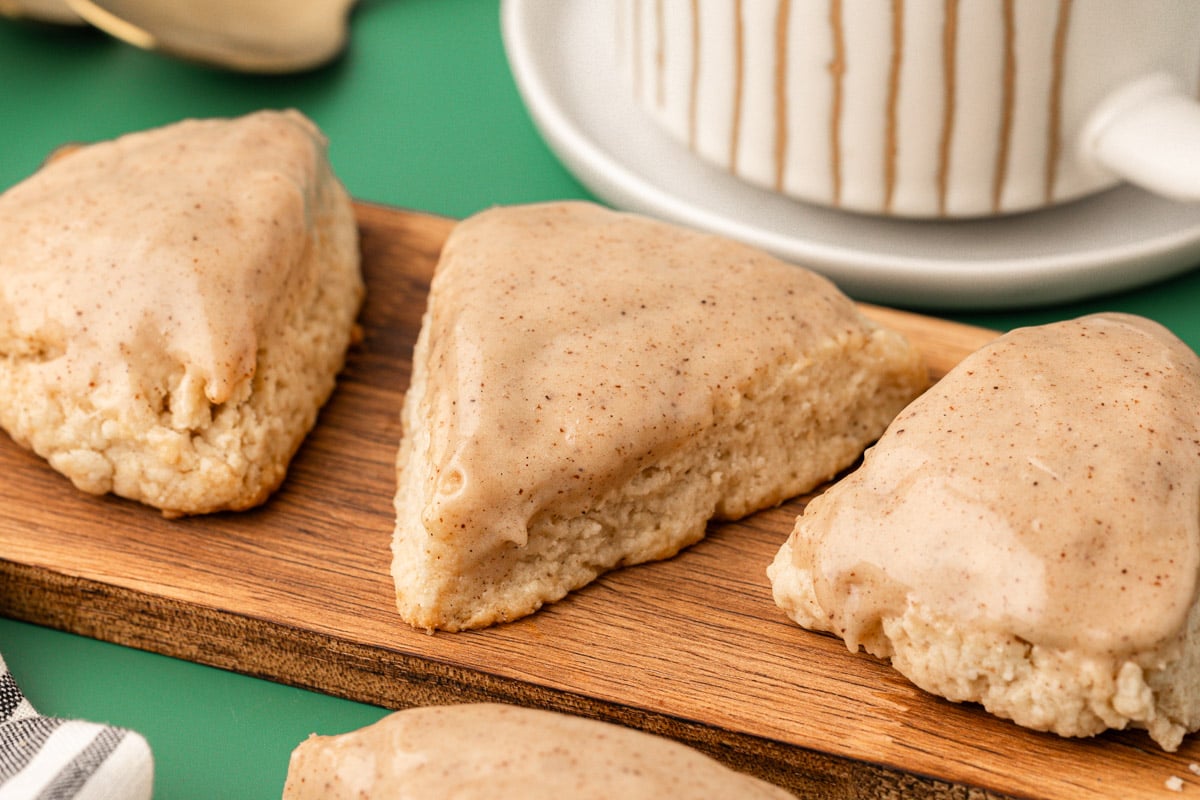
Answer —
1049 487
498 751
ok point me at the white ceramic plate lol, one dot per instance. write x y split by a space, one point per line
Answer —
561 54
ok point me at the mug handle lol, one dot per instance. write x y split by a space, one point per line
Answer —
1148 133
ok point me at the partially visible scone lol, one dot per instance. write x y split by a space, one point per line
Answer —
590 388
175 305
1026 534
492 751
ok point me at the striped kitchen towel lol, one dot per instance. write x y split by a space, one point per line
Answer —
64 759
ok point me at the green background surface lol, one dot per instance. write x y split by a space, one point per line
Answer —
421 113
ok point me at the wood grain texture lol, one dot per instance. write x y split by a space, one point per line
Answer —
298 592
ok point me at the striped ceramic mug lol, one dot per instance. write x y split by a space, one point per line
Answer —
926 108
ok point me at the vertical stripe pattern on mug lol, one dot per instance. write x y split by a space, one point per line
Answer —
916 107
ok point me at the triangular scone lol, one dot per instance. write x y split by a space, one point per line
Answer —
175 306
590 388
506 752
1025 534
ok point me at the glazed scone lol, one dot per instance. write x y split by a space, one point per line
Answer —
1025 535
590 388
499 751
175 305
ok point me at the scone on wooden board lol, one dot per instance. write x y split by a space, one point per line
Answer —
590 388
489 750
1026 534
175 305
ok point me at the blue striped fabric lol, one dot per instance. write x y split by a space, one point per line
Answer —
50 758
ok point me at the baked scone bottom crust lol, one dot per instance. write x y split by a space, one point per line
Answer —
188 390
770 431
1066 692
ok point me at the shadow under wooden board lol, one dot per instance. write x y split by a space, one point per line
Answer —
298 592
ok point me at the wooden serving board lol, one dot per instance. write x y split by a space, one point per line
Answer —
298 591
